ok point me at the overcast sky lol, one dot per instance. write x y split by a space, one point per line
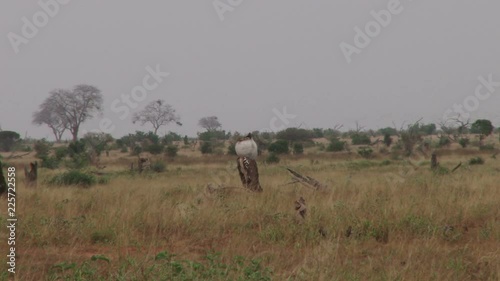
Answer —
250 59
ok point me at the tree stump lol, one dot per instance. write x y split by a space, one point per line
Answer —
434 162
300 208
31 175
3 183
249 173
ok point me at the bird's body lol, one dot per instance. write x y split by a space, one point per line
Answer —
246 147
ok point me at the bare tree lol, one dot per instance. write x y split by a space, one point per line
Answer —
210 123
158 113
74 107
455 127
47 115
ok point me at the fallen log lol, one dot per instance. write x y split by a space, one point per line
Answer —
306 180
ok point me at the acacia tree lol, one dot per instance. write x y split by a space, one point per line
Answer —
210 123
483 127
8 139
74 107
158 113
47 115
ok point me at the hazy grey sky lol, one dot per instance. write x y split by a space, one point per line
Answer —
262 55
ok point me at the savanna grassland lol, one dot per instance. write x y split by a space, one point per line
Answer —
380 219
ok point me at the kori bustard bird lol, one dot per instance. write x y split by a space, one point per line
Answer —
246 147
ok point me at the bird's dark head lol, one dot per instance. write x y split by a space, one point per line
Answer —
249 135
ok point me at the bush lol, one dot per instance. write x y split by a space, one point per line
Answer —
155 148
320 146
336 145
385 162
464 142
294 134
272 158
61 152
360 139
171 151
124 149
73 177
279 147
76 147
298 148
206 148
136 150
476 161
78 161
158 167
42 148
50 162
231 150
487 147
365 152
444 141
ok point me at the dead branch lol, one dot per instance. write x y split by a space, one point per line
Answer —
456 167
306 180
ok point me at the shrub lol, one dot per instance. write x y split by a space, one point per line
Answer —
106 236
385 162
444 141
321 146
476 161
365 152
231 149
294 134
171 151
50 162
440 170
42 148
360 139
272 158
383 150
78 161
158 167
61 152
124 149
487 147
206 148
336 145
73 177
279 147
463 142
136 150
76 147
298 148
155 148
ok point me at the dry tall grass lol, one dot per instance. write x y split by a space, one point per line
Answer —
423 226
